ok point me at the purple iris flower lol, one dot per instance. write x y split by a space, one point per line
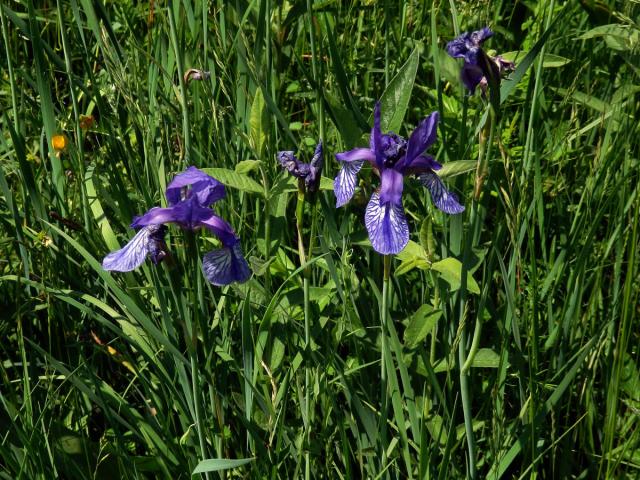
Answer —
309 172
393 158
477 64
189 195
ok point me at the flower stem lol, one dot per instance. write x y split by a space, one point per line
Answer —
383 354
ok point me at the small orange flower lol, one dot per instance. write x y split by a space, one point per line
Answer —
60 142
87 122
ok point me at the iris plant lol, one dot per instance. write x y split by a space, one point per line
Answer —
478 66
309 172
393 158
190 196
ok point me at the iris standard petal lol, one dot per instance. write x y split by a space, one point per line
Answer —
457 48
376 137
421 138
481 35
442 198
391 185
225 265
204 187
387 226
344 184
148 241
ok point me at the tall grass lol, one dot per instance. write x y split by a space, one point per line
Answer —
511 344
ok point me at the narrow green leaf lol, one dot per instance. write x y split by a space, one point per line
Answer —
549 60
218 464
258 122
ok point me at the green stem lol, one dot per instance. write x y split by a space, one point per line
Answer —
383 354
186 128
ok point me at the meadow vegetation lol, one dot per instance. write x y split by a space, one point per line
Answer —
502 342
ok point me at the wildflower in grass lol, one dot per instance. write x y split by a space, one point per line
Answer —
195 74
393 158
309 172
478 66
189 195
59 142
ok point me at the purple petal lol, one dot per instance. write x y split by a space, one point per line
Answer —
387 226
458 47
148 241
221 229
289 162
344 184
391 185
376 137
471 76
481 35
189 214
422 138
421 164
226 265
442 198
357 154
312 181
206 188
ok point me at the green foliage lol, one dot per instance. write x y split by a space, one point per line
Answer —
513 328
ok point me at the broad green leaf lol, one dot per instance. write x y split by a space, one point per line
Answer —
411 263
258 122
235 180
420 325
345 122
247 166
549 60
451 271
395 98
486 358
218 464
457 167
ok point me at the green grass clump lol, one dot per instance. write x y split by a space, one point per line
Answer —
510 346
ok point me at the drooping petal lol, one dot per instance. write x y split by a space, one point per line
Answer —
471 76
387 226
344 184
225 265
391 185
442 198
204 187
421 138
422 163
148 241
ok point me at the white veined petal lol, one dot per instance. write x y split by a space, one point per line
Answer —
442 198
132 255
344 184
387 226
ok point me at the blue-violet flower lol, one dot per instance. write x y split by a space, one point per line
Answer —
393 158
309 172
189 195
477 64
